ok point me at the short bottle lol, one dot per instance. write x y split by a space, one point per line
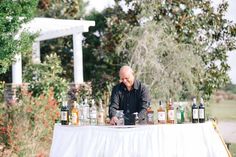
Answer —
93 113
64 114
161 114
170 112
194 111
150 114
201 111
101 114
75 114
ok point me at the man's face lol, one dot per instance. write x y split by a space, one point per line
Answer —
127 78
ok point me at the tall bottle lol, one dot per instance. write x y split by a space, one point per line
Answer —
194 111
150 114
170 112
64 114
101 114
93 113
161 114
85 109
201 111
75 114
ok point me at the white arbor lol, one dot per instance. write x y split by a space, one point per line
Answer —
49 28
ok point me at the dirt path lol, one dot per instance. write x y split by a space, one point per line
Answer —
228 130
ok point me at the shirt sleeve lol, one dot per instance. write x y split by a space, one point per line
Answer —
114 105
145 98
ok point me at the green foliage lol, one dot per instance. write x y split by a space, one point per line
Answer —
63 47
45 76
196 23
165 65
12 15
230 88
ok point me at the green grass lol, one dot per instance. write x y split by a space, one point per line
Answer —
225 110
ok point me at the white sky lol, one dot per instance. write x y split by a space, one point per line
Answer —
99 5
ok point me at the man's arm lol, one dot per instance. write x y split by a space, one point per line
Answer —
114 105
145 98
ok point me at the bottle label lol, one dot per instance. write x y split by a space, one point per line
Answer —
100 118
161 116
150 117
201 113
171 114
64 115
178 115
93 115
74 118
195 113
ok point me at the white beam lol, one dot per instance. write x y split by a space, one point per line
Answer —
17 70
36 52
78 58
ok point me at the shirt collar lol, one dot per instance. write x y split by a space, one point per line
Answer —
135 85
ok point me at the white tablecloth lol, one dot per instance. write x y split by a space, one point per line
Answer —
169 140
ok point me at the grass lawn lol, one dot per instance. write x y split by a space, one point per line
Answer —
224 111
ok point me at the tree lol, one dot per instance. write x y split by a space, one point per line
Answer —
196 23
165 65
12 15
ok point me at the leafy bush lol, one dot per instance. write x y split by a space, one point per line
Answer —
27 125
47 75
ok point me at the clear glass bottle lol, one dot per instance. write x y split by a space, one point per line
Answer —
86 120
194 111
93 113
101 114
201 111
161 114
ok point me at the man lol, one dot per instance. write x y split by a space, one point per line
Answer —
130 95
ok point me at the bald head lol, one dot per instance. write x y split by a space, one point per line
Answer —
127 76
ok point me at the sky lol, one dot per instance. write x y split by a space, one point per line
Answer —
99 5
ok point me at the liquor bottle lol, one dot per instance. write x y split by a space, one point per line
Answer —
101 114
80 109
194 111
150 114
85 109
64 114
180 114
161 114
170 112
74 114
93 113
201 111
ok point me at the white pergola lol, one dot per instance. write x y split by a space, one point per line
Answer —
49 28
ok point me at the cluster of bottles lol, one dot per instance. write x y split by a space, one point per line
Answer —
167 113
82 113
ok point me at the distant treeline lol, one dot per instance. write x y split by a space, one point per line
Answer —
230 88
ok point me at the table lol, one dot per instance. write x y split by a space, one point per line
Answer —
168 140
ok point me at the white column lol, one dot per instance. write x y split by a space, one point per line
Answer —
78 58
36 52
17 70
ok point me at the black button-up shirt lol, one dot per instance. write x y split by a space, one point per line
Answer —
135 100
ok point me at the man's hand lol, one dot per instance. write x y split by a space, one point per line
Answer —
114 120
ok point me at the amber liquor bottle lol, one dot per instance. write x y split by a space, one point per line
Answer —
75 114
170 112
161 114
